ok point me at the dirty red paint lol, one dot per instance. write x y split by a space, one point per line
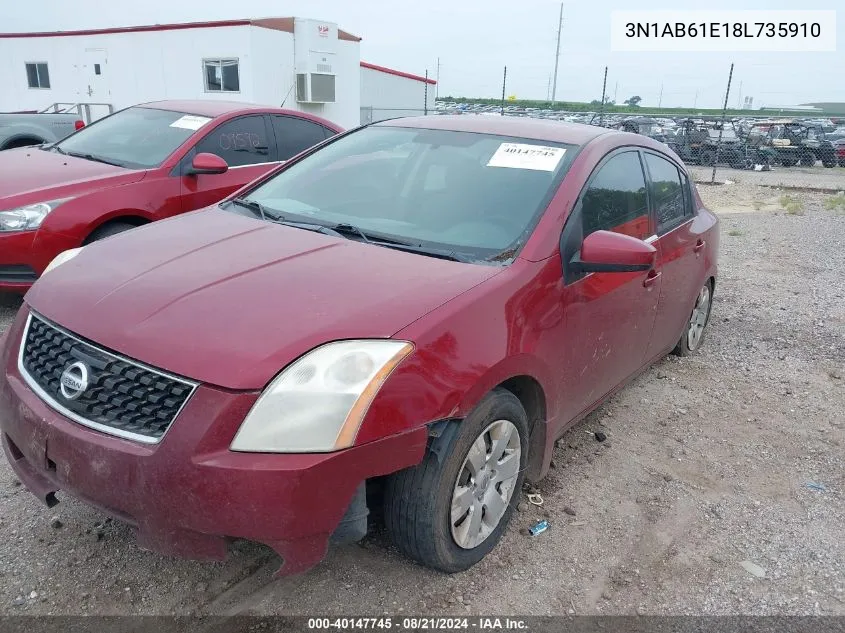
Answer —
256 297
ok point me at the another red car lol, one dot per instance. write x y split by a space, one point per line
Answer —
138 165
420 306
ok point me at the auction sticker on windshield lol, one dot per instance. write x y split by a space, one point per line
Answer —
190 122
523 156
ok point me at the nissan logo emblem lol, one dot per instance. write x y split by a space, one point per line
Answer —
74 381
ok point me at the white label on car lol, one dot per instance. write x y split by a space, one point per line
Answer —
522 156
190 122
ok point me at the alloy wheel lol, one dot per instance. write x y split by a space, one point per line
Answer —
699 318
485 484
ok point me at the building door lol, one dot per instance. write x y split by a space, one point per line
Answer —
95 76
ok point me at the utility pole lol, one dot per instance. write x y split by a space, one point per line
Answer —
504 84
660 100
695 103
557 53
603 98
722 126
437 85
425 97
615 91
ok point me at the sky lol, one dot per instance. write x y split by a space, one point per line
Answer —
475 39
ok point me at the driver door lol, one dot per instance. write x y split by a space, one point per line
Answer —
609 316
244 143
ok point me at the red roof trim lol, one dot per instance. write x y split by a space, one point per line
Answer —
398 73
276 24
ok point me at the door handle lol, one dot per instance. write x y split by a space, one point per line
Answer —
699 245
651 278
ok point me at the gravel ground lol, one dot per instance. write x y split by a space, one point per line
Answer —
824 178
697 503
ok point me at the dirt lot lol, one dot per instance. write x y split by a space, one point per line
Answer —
698 503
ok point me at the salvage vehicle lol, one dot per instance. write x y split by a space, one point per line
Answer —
21 129
141 164
416 309
793 142
643 125
839 149
697 142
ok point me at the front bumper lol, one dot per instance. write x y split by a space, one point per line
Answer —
189 494
25 254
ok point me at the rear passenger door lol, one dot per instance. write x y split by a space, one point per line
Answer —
679 247
245 143
294 135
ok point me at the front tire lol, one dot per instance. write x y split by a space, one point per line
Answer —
451 510
107 230
693 335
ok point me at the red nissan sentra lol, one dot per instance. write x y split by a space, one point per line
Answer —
422 305
142 164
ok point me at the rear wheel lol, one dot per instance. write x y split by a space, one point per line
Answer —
808 159
693 335
788 161
451 510
23 142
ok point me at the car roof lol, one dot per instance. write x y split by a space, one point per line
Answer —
535 129
216 108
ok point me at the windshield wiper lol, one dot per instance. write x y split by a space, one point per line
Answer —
350 229
96 159
423 250
258 208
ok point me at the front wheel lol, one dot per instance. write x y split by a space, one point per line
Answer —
451 510
693 335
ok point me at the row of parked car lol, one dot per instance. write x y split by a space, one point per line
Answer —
742 143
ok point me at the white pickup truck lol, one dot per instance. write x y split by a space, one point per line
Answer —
23 128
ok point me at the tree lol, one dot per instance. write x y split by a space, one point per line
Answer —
633 101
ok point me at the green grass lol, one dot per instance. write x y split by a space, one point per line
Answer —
792 205
835 202
735 232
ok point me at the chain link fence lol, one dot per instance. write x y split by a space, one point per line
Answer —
798 152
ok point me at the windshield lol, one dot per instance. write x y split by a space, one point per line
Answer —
135 138
474 194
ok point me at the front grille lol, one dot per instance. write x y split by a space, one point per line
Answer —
122 397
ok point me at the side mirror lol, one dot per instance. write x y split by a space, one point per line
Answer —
609 252
205 163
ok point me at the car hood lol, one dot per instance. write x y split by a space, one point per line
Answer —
230 300
29 175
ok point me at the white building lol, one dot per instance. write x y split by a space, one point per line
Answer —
306 65
388 93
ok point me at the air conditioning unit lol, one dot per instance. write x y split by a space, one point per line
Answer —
315 87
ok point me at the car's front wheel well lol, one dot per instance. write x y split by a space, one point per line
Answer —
96 231
530 394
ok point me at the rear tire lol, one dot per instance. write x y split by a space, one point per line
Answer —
807 159
693 336
107 230
420 503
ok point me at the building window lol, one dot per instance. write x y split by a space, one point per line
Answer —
37 75
222 75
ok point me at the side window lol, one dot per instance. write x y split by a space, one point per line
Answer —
615 199
667 192
242 141
294 135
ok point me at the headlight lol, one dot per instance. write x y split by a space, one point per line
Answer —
61 258
318 403
28 217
